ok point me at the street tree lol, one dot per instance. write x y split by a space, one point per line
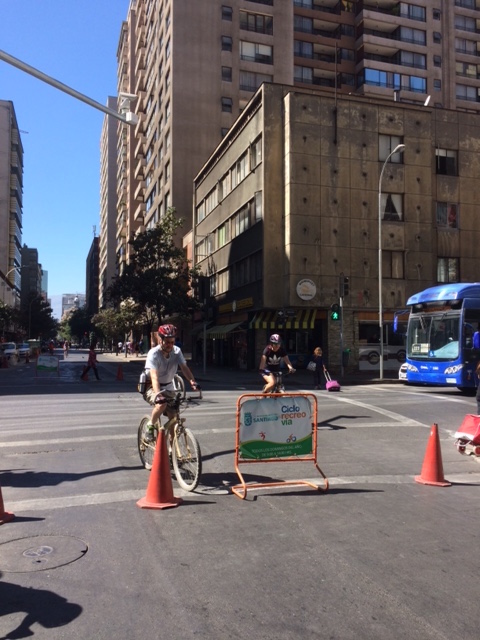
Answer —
158 278
36 317
115 323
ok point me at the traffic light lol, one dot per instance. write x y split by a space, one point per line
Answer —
335 312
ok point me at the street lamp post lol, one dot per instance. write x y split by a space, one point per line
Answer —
398 148
6 278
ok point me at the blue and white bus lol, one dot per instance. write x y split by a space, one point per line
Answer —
443 335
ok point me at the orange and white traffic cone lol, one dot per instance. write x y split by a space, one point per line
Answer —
160 489
432 469
5 516
119 372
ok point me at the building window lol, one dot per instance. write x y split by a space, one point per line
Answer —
201 211
240 221
437 85
436 14
227 74
393 264
224 131
255 153
392 207
467 70
256 22
447 215
464 92
227 13
227 104
446 162
258 207
303 74
437 37
250 81
386 144
437 61
448 270
226 43
255 52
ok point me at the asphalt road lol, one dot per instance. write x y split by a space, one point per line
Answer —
379 556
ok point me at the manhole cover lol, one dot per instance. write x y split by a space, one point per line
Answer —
38 553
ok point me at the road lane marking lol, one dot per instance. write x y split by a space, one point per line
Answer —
92 499
396 417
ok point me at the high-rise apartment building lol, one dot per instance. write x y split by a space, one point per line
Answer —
31 274
195 65
11 189
91 295
108 203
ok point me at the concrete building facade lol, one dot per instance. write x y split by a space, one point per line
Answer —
289 201
196 65
108 204
11 196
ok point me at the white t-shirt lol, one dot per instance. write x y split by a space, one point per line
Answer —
166 368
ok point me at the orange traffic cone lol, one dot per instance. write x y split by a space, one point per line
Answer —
160 489
432 469
119 372
5 516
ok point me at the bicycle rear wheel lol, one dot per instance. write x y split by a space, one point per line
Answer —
186 458
146 450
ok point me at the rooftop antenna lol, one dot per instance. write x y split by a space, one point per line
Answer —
94 230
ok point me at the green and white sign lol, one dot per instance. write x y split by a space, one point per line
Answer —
47 363
275 427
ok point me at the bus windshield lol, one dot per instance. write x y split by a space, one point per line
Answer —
433 337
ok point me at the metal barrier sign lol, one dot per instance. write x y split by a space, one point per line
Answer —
276 428
47 364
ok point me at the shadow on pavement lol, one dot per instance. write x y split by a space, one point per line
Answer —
48 479
40 606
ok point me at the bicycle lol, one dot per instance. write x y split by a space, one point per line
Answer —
279 386
183 447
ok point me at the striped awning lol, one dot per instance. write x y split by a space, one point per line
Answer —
219 332
303 319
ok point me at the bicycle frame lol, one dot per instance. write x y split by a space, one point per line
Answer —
184 449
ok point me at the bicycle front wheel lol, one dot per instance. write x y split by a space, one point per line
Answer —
146 450
186 458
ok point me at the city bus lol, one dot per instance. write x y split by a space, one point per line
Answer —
443 335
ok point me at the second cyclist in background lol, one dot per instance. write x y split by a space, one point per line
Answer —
270 362
161 366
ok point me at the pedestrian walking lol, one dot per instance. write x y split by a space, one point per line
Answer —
65 349
91 363
318 371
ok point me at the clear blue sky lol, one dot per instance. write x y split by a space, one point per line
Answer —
75 42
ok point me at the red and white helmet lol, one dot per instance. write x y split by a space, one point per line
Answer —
275 339
167 331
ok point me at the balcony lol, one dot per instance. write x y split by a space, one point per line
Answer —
140 142
139 212
140 164
140 191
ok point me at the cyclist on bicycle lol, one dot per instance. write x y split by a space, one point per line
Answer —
161 366
272 356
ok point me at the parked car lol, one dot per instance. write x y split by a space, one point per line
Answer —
9 349
24 350
402 372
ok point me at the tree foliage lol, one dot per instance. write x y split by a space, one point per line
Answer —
159 277
77 324
36 317
115 323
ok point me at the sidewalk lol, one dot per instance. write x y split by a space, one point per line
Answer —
213 373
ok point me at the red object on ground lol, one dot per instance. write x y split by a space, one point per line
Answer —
160 489
432 469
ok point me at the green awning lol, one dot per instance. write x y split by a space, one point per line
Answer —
220 331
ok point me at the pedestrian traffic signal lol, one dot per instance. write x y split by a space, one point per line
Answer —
335 312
